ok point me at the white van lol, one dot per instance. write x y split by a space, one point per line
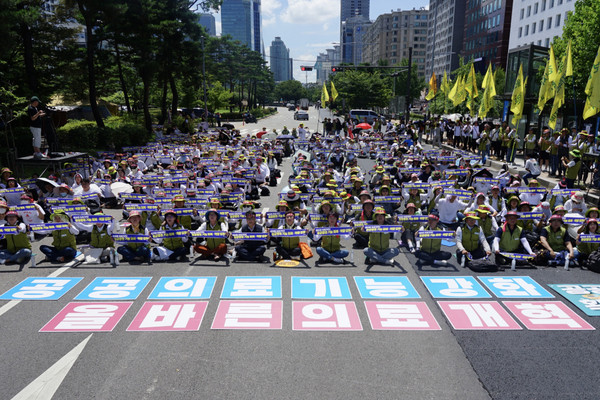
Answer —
359 116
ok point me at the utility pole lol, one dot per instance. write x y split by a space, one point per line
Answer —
204 80
408 84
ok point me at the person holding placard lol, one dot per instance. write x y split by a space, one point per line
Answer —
288 248
101 241
135 251
470 240
586 248
331 249
18 246
361 238
510 239
487 223
429 249
410 228
250 250
170 248
64 246
379 250
213 248
557 243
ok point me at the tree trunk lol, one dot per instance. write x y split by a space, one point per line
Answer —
30 71
175 94
145 101
163 103
90 50
122 77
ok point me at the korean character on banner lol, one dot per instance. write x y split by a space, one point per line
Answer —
40 289
455 287
385 287
514 286
478 315
252 287
401 316
114 289
169 316
235 314
87 317
553 315
325 316
183 288
320 288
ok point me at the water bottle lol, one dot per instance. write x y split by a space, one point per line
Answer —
567 264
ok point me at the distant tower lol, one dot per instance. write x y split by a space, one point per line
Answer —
280 62
241 20
208 22
354 19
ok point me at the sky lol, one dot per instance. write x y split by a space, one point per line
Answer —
308 27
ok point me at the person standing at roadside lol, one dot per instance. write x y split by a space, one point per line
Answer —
35 125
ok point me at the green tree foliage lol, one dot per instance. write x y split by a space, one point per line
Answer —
218 96
583 29
363 89
417 84
291 90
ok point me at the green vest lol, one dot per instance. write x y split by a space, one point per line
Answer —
186 221
510 242
212 243
588 248
573 171
556 240
486 226
63 239
154 218
100 238
470 238
411 226
431 245
290 243
172 243
545 144
331 243
529 145
17 242
380 242
129 231
416 200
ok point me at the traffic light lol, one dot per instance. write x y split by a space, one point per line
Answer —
305 68
337 69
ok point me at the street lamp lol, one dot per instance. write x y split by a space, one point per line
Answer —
204 79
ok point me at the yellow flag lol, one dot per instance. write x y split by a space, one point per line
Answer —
432 87
461 93
471 83
517 100
545 85
569 70
552 70
334 93
559 92
324 95
445 84
453 91
592 90
489 85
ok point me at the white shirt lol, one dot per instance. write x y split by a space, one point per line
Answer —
448 209
532 166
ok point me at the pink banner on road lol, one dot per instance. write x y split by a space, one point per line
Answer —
386 315
547 316
169 316
87 317
325 316
478 315
249 314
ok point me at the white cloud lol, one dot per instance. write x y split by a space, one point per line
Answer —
311 11
269 11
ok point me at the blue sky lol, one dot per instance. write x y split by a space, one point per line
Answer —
308 27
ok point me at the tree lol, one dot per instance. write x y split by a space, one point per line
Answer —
362 89
218 96
417 84
291 90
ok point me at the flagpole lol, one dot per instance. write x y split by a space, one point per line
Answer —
574 102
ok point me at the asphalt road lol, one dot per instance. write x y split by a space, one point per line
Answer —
287 363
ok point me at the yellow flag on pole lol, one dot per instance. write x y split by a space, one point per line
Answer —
592 90
445 87
552 70
518 98
489 85
471 83
569 70
334 93
324 95
545 85
453 91
559 92
432 87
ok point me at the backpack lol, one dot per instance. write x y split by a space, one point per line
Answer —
593 261
482 265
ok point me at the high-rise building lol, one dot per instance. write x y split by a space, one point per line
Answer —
538 22
241 20
280 61
207 20
354 19
388 39
325 61
445 35
487 30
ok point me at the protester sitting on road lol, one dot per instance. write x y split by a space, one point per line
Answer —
18 246
410 228
250 250
587 248
533 198
101 242
135 251
288 248
379 250
172 248
330 249
555 239
361 238
510 238
429 250
448 209
64 247
576 204
213 248
470 239
487 223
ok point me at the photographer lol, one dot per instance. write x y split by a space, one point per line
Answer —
35 125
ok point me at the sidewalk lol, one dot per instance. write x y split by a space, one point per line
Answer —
592 196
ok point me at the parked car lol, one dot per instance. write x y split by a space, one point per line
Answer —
291 107
301 114
359 116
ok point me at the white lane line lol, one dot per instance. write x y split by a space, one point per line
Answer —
8 306
44 386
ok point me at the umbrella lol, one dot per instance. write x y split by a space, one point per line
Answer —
364 126
227 126
302 152
269 136
42 182
120 187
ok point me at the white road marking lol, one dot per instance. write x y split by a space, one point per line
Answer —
44 386
8 306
